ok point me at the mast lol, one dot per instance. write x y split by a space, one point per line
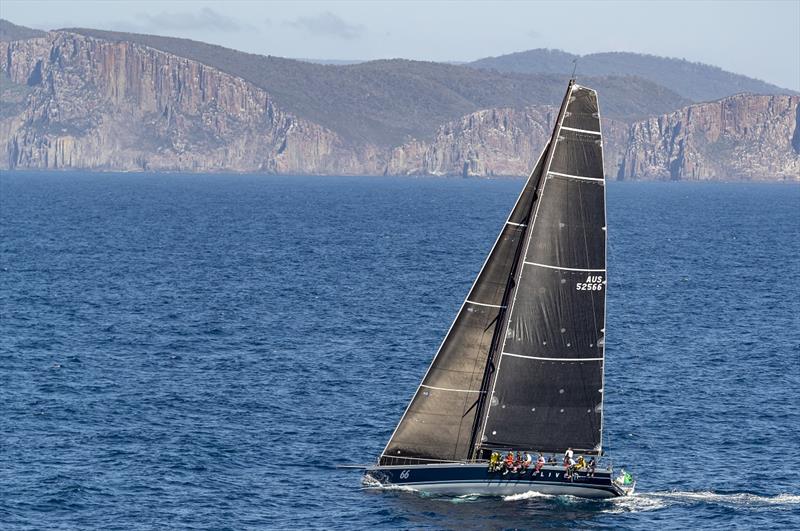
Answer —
546 392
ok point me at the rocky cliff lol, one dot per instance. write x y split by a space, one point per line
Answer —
494 142
69 100
122 106
741 137
485 143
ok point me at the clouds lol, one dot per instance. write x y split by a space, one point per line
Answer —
205 19
328 24
325 25
182 22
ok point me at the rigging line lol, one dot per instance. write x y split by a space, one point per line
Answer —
565 268
453 390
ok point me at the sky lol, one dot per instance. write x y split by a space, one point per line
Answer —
759 39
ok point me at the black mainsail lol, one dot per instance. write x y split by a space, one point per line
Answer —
548 390
522 365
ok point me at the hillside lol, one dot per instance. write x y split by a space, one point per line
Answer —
695 81
12 32
385 102
742 137
68 100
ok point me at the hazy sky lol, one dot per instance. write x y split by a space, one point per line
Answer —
756 38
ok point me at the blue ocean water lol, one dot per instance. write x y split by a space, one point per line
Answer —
195 351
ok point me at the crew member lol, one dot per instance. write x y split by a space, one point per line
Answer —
527 462
539 463
508 463
494 461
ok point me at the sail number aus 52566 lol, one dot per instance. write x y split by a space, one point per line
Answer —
592 283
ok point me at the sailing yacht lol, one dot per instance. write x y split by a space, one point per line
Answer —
521 368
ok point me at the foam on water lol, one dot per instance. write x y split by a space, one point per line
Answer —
530 495
653 501
734 499
370 483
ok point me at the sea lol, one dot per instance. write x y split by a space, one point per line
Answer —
202 351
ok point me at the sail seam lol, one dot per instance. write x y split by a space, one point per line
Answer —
565 128
453 390
484 304
569 176
550 359
566 268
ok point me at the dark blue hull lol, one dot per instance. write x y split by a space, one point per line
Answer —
462 479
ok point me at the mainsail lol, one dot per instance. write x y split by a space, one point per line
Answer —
522 364
548 389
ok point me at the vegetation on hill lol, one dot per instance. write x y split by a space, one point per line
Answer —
385 102
12 32
696 81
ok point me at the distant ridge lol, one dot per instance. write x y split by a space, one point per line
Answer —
11 32
695 81
122 102
385 102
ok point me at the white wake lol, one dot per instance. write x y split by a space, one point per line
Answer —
653 501
531 494
735 499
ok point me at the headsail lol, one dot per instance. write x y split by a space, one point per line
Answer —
547 390
439 422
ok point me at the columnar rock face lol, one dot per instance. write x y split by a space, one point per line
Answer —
122 106
71 101
494 142
740 137
485 143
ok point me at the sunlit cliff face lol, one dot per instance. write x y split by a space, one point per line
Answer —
71 101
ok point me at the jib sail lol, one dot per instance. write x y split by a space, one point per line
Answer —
439 422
